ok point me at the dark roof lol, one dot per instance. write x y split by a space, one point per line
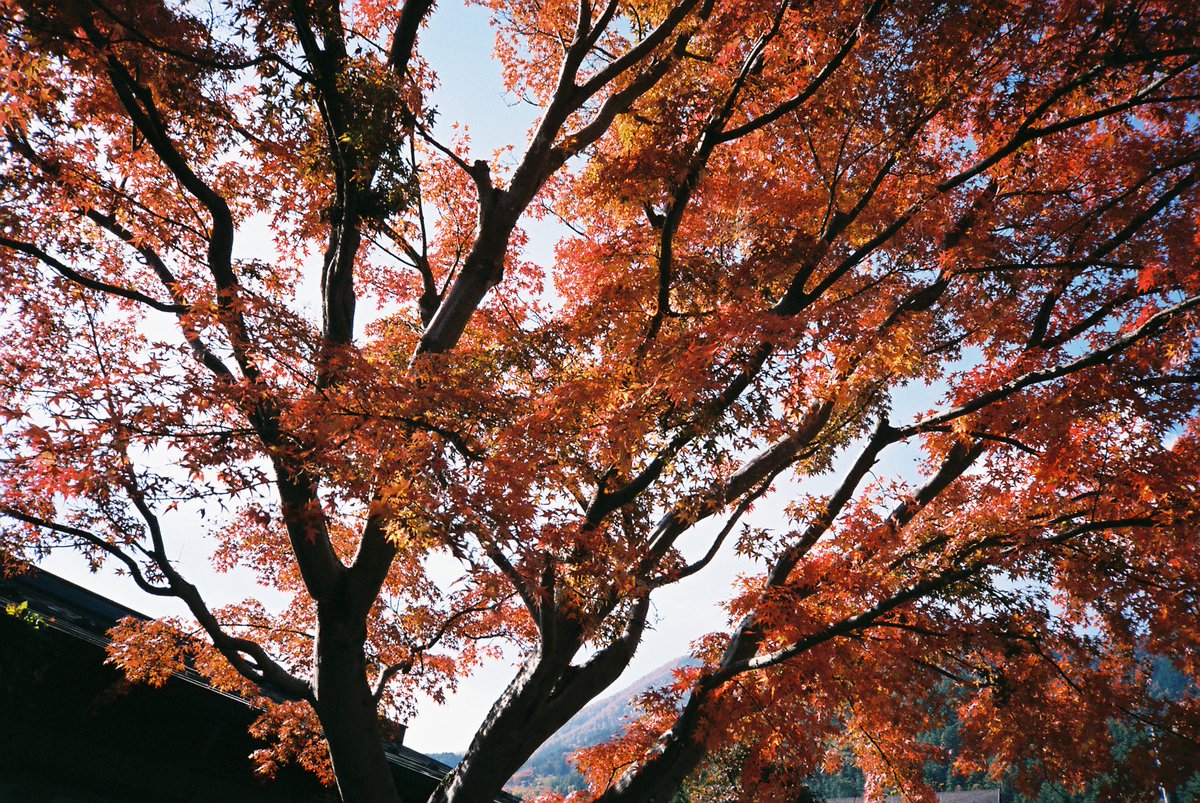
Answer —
85 616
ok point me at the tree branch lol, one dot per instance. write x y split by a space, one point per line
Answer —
83 280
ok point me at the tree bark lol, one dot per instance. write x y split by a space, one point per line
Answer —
482 269
348 713
661 774
523 718
548 691
539 701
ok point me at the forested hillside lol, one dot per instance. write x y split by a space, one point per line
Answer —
550 768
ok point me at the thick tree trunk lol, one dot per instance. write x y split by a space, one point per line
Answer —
348 714
516 726
547 692
537 703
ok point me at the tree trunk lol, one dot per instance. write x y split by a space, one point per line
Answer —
547 692
676 756
516 726
348 714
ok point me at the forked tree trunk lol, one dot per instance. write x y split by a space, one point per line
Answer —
539 701
348 715
547 692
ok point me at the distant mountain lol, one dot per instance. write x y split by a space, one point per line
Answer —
548 768
449 759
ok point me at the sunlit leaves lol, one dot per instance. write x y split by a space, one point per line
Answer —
779 220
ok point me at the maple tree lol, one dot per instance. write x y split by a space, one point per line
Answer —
778 216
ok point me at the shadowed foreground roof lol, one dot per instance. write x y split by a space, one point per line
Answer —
78 732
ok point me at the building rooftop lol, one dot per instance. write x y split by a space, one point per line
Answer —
81 725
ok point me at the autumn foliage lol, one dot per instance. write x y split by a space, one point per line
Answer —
249 281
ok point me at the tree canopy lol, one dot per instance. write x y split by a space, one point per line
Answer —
778 216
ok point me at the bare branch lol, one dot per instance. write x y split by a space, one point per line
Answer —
84 280
1150 326
131 564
